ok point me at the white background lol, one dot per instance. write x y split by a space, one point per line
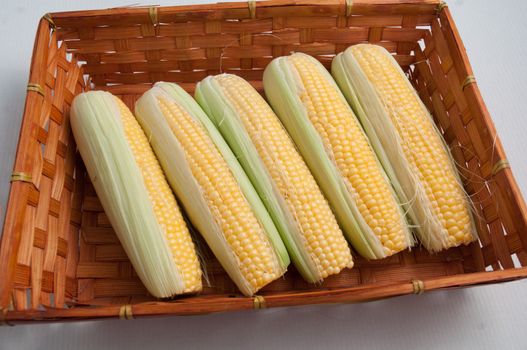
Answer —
489 317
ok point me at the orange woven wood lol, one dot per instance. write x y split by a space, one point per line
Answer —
59 255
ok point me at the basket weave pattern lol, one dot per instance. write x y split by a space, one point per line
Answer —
60 256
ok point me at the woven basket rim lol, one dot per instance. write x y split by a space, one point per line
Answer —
234 5
366 289
215 304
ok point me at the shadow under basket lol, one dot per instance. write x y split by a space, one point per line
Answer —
60 258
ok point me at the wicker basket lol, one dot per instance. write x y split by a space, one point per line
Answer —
59 256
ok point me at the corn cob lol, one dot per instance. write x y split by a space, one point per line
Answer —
330 138
267 154
408 143
135 194
212 187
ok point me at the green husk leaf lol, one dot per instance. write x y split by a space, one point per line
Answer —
172 158
217 106
120 187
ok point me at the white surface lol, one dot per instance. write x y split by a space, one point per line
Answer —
490 317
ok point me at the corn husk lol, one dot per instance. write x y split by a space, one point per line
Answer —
120 187
283 87
374 115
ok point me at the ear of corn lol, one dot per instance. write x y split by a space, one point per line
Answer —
330 138
135 194
278 172
408 143
213 188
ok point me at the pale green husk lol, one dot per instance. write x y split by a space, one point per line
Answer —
282 87
218 107
172 158
375 118
120 187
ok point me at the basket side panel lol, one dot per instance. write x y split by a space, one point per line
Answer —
446 84
125 52
39 242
